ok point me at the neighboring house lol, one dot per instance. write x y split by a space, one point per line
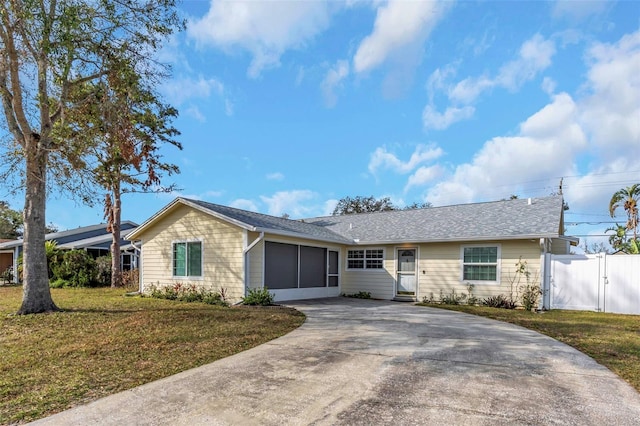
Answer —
94 239
406 254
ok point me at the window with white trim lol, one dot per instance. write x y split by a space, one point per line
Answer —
365 259
480 263
187 259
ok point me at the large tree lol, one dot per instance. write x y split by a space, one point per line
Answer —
47 48
627 198
360 204
124 128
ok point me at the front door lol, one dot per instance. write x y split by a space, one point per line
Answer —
406 272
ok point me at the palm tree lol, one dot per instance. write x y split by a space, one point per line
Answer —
628 198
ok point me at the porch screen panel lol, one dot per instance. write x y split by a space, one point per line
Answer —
281 265
313 267
333 269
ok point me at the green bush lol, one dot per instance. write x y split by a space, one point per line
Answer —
259 297
188 293
59 283
77 267
499 301
359 295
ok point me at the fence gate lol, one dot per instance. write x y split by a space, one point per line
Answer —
596 282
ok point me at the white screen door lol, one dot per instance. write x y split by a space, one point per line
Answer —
406 271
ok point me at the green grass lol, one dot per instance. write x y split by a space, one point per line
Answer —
613 340
104 342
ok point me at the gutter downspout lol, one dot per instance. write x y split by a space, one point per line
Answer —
546 274
245 257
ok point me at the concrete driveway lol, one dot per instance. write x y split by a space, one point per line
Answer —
364 362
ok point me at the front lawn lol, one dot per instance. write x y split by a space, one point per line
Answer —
104 343
613 340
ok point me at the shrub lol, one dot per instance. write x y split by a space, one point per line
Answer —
103 270
188 293
530 296
359 295
471 298
428 299
7 275
258 297
77 267
59 283
131 279
499 301
452 298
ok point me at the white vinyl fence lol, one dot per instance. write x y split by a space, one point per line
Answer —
596 282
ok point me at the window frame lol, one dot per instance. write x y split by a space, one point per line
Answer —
497 263
366 259
173 259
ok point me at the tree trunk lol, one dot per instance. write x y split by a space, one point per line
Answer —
36 295
115 218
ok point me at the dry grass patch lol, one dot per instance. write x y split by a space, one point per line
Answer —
613 340
104 343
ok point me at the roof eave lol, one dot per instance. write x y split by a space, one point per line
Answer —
303 236
459 240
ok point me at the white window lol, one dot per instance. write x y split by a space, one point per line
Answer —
480 263
187 259
365 259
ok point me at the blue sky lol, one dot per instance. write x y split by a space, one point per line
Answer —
286 107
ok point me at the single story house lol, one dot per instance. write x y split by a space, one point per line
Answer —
93 238
402 254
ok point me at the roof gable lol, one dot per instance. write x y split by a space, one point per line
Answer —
250 221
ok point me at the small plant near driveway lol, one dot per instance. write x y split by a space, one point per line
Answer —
359 295
189 293
258 297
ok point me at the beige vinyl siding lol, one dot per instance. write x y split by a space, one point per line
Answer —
222 248
379 282
440 268
256 265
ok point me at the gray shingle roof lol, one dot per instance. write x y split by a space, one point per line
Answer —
277 225
507 219
499 220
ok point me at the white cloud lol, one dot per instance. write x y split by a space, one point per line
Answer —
294 203
545 147
433 119
399 24
423 176
244 204
333 80
382 159
611 111
534 56
468 90
266 29
329 207
179 90
600 129
194 111
578 10
438 80
275 176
